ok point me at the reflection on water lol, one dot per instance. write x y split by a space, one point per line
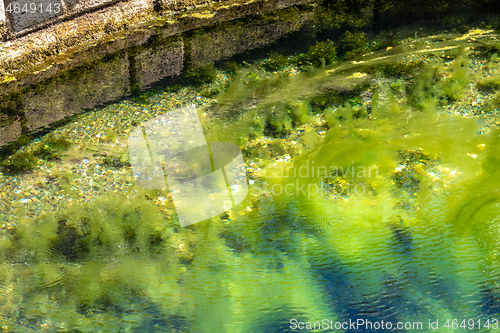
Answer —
415 243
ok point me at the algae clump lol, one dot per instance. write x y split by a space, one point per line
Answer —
50 148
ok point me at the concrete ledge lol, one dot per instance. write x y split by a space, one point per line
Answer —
24 16
70 43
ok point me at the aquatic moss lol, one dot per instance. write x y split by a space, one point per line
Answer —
19 162
24 160
320 54
201 75
489 84
142 98
493 103
116 162
457 80
78 243
424 90
248 85
275 62
336 97
397 69
353 44
51 147
439 84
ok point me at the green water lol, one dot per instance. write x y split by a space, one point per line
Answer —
378 208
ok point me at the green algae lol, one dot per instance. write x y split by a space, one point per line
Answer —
275 62
320 54
489 84
494 102
438 86
353 44
201 75
431 158
23 160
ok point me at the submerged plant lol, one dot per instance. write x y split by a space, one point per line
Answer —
489 84
275 62
353 44
26 159
494 102
457 80
397 69
201 75
320 54
439 84
51 147
20 161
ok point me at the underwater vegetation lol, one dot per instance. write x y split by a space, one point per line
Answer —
49 148
489 84
437 86
353 44
200 75
367 201
320 54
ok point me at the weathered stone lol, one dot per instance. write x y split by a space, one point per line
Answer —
9 131
23 14
224 12
71 94
236 38
179 4
90 36
81 5
3 22
158 63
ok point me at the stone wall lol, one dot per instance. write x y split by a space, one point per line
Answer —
18 17
23 16
156 63
33 98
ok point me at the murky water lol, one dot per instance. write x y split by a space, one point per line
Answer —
374 215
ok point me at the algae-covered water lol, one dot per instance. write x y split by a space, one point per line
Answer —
373 203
